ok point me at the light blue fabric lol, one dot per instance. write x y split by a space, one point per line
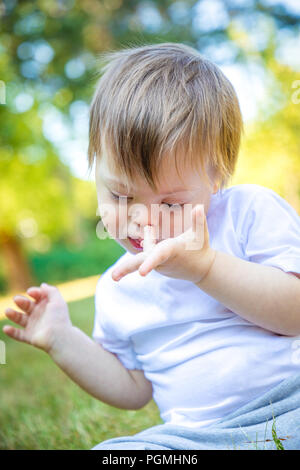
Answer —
248 428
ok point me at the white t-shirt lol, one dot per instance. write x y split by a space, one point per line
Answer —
203 360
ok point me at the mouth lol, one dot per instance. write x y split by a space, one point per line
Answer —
136 243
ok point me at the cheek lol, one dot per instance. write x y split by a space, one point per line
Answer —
109 217
171 224
179 223
114 218
182 220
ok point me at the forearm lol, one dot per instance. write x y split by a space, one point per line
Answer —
94 369
263 295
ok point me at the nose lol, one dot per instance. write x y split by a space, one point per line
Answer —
140 215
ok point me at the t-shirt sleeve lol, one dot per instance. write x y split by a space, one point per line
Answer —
271 232
103 331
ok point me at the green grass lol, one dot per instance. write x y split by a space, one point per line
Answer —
41 408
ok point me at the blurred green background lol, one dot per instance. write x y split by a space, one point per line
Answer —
48 205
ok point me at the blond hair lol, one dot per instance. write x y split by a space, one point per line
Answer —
158 99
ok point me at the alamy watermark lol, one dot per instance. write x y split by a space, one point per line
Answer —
170 221
2 353
296 94
2 92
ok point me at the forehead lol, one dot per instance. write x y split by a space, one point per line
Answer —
171 180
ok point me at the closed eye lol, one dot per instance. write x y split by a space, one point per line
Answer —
172 204
117 196
169 204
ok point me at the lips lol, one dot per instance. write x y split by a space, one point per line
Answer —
136 242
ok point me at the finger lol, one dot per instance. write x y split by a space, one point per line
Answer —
17 317
158 256
130 266
52 292
198 223
24 303
15 333
149 238
35 292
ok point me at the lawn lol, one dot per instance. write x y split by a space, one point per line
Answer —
41 408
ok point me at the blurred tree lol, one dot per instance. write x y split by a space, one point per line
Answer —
271 147
35 194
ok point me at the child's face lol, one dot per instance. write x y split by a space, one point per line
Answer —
125 217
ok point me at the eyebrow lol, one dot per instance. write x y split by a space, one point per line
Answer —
123 186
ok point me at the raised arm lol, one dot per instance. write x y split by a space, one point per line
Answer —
47 325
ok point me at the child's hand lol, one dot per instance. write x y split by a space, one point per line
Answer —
42 318
188 256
